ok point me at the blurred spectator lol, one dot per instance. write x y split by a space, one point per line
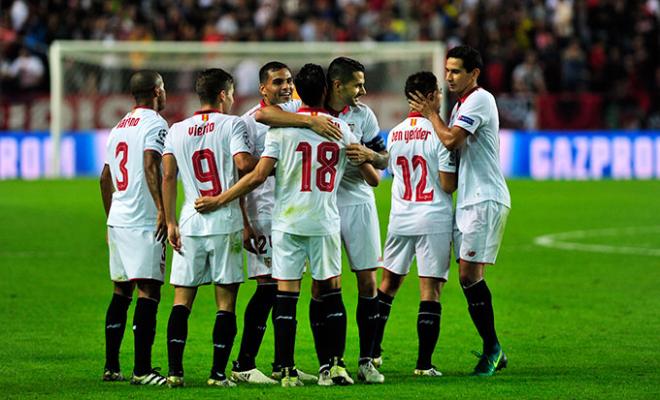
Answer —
528 76
27 72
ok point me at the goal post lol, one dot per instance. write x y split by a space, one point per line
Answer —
89 79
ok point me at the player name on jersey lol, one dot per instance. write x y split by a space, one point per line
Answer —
410 134
197 130
128 122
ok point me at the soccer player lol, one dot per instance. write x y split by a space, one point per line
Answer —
130 188
276 88
360 231
421 218
305 225
206 149
483 201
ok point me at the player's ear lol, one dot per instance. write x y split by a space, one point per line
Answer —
262 89
475 73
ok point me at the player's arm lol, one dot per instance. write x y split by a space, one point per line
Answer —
452 138
276 117
448 181
359 154
245 162
370 175
106 188
152 175
169 200
248 233
244 186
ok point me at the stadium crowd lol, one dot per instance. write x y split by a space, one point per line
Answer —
604 47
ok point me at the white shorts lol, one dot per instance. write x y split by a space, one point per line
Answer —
206 259
260 264
135 254
360 232
480 231
432 251
290 252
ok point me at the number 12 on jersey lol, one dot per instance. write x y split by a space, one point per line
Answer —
327 154
420 194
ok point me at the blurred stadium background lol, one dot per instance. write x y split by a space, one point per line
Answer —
577 84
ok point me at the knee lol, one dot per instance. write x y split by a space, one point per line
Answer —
366 284
149 290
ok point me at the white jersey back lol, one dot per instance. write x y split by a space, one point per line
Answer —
363 123
480 176
261 200
204 146
309 169
419 205
140 130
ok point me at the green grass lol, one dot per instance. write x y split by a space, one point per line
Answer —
574 324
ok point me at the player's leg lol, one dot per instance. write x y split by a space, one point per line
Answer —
319 333
428 324
224 332
144 331
177 332
189 271
226 268
433 259
289 255
115 324
258 308
481 229
360 234
399 253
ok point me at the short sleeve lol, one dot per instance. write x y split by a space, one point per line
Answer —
273 144
290 106
239 140
155 138
251 127
168 147
446 160
471 114
370 128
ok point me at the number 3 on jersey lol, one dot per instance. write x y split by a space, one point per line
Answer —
417 161
122 151
208 173
327 154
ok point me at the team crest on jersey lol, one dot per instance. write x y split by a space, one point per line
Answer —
466 119
352 126
205 117
413 122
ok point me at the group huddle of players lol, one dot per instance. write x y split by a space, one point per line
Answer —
290 181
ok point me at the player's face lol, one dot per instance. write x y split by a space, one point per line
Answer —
278 88
351 91
161 96
458 79
228 100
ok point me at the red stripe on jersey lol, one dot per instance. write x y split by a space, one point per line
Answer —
415 114
312 110
272 158
211 110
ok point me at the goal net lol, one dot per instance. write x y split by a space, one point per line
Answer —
89 79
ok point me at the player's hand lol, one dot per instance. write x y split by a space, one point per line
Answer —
358 154
174 237
161 227
325 127
206 204
249 237
421 104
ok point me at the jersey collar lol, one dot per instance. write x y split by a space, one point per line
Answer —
336 113
415 114
313 109
209 111
462 99
262 103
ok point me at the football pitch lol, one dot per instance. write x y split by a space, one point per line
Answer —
576 294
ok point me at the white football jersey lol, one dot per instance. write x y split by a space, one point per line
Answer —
419 205
364 125
204 146
260 201
480 176
142 129
309 169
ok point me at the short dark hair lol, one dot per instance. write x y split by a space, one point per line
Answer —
268 67
470 56
424 82
143 83
211 82
311 85
342 69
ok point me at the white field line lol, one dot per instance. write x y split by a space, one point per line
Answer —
562 240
